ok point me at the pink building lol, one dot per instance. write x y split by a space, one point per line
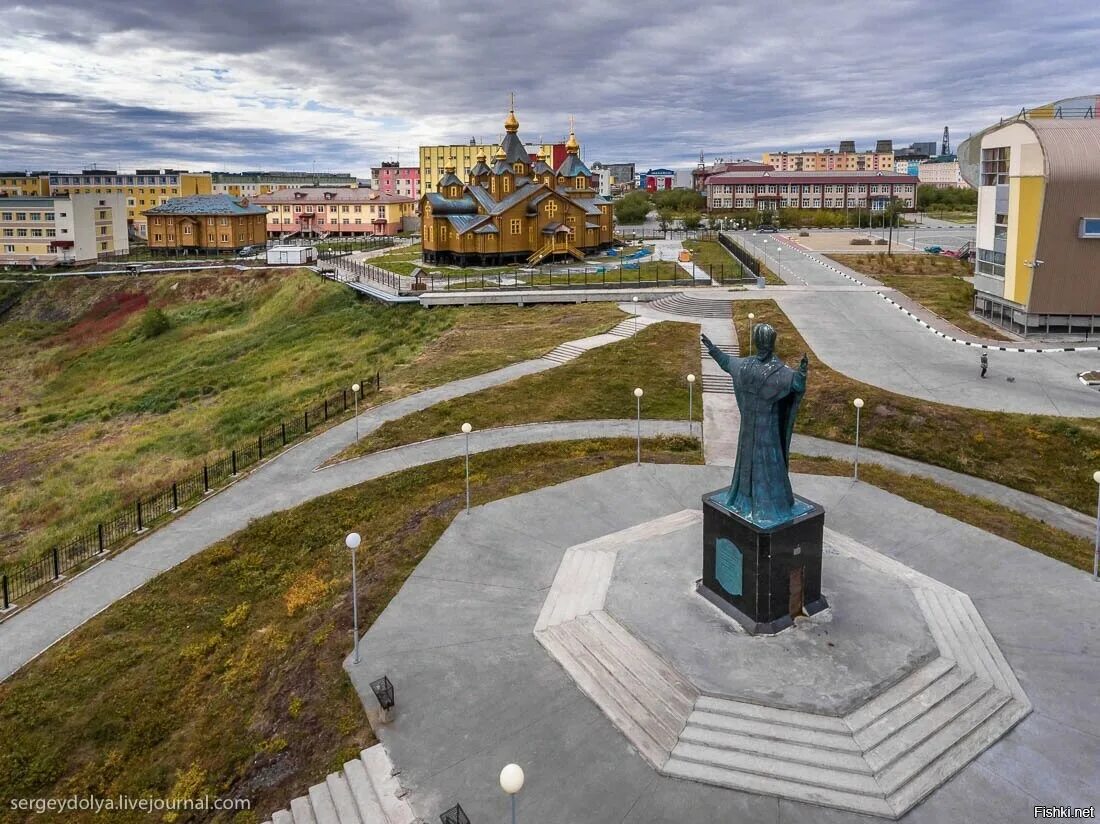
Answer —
393 179
345 212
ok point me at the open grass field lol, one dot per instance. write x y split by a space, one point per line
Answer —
934 281
224 675
1044 455
93 411
597 385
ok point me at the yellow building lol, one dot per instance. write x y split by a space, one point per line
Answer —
847 159
1038 227
434 160
24 184
515 210
253 184
143 189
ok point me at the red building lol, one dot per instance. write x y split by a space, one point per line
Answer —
657 180
770 191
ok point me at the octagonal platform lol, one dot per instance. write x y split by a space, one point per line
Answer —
867 707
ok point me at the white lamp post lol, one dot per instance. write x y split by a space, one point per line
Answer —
635 300
352 542
466 430
691 411
858 404
752 317
355 394
638 396
511 781
1096 552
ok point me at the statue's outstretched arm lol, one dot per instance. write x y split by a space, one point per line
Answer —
799 383
720 357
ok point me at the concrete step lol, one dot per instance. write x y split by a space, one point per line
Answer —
898 694
918 758
794 753
721 384
681 304
941 716
370 808
860 783
324 811
565 352
580 586
387 788
302 811
342 800
656 753
653 719
773 715
840 742
908 712
683 689
635 671
958 755
767 785
282 817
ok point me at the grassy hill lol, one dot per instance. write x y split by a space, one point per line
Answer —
96 405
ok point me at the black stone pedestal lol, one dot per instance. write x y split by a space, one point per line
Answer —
762 577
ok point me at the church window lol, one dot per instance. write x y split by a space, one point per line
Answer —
506 184
442 233
516 227
580 181
551 208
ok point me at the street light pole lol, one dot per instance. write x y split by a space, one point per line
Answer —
466 430
635 302
638 396
858 404
511 781
751 318
352 542
1096 551
691 399
355 394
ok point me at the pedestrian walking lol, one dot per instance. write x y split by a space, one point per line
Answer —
985 363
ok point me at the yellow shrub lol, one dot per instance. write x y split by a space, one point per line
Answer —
307 589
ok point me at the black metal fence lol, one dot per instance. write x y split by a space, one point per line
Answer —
163 503
739 252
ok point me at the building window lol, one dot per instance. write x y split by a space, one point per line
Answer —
517 227
21 232
551 208
36 233
9 248
1090 227
157 237
995 166
225 238
20 215
186 229
5 216
9 233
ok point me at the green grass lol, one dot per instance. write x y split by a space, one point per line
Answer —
597 385
934 281
770 277
223 675
93 413
970 509
954 216
1048 456
715 260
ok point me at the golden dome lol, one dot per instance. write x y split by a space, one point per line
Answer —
481 155
571 145
511 124
501 154
450 167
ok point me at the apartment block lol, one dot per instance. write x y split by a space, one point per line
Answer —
24 184
391 178
63 229
251 184
142 190
942 172
334 212
770 191
846 159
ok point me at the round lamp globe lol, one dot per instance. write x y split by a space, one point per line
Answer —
511 779
467 429
353 540
638 392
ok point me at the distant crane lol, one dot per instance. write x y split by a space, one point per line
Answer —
945 149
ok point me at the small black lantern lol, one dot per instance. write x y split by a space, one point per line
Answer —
383 691
455 815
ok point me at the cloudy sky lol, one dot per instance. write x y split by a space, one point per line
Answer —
343 84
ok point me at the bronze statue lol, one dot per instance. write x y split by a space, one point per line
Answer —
768 395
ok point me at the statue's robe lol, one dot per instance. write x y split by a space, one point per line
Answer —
768 395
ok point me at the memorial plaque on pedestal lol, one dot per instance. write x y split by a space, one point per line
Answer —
763 577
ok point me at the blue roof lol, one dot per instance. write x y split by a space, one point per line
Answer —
205 205
446 206
573 166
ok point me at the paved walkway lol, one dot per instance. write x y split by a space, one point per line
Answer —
457 643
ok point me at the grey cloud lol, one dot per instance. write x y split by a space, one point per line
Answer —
647 80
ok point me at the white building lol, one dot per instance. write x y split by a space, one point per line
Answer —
290 255
603 181
76 228
942 172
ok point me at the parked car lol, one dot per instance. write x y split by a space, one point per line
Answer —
246 251
767 228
